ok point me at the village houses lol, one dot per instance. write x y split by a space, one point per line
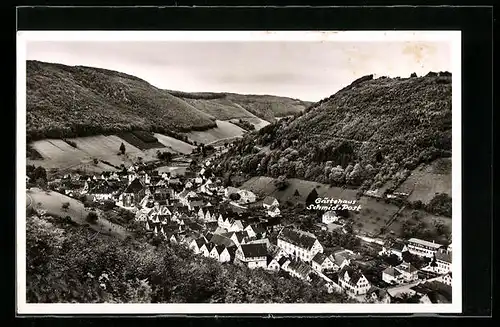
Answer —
299 244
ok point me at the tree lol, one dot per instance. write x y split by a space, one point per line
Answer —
311 197
92 217
281 183
234 196
122 148
65 206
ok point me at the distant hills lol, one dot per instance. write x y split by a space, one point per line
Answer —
70 101
370 134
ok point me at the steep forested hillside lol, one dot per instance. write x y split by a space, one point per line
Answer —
66 264
369 133
71 101
66 101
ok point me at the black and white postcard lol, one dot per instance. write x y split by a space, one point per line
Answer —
238 172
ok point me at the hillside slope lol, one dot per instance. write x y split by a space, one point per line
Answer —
225 106
72 101
372 132
67 101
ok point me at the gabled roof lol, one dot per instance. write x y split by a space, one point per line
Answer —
135 186
300 268
319 258
354 274
297 238
391 272
221 240
199 242
102 188
254 250
444 256
282 260
398 246
270 259
268 200
209 246
220 249
406 267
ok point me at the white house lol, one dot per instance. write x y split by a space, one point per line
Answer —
322 262
396 248
391 275
329 217
206 249
299 269
253 255
341 259
408 272
196 245
353 281
423 248
273 211
272 264
443 262
299 244
254 230
269 202
246 197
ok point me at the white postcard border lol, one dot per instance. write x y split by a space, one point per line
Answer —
454 37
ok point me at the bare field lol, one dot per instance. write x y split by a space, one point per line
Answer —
223 130
373 215
427 180
174 144
52 203
59 154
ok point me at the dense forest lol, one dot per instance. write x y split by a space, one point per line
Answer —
373 132
68 263
69 101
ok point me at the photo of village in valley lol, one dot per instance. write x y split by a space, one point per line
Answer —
238 172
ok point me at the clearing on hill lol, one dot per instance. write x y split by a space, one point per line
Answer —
174 144
427 180
57 153
224 130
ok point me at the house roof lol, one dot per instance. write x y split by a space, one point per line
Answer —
406 267
398 246
297 238
391 271
300 268
443 256
268 200
436 291
200 241
135 186
319 258
220 249
282 260
221 240
254 250
354 274
209 246
379 292
211 225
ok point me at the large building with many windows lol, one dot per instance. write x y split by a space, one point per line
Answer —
423 248
301 245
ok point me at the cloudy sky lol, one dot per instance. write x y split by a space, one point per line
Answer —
304 70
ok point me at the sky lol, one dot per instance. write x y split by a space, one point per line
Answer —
308 71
